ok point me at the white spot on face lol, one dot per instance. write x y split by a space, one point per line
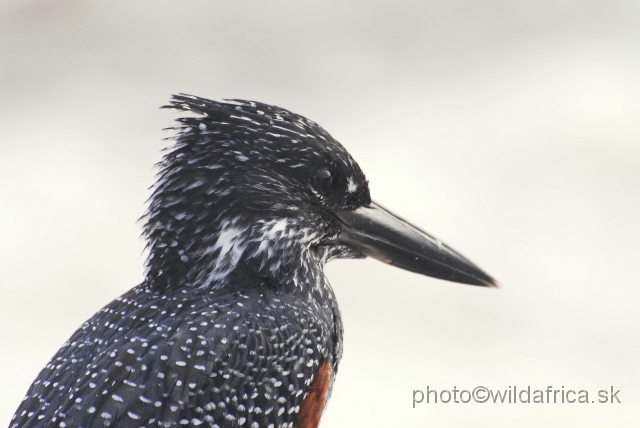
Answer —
351 185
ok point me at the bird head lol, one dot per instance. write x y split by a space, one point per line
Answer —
254 186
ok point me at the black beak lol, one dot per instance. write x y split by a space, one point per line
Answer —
378 233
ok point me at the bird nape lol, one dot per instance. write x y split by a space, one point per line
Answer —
235 323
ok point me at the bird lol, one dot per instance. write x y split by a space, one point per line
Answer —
235 323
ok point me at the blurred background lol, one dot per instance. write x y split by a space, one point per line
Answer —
509 129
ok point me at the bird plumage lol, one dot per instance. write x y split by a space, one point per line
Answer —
235 323
235 315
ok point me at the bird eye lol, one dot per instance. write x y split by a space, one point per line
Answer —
323 180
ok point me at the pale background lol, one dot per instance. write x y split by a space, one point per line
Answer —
510 129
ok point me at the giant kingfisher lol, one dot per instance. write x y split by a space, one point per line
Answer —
235 323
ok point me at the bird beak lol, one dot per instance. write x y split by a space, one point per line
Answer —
378 233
